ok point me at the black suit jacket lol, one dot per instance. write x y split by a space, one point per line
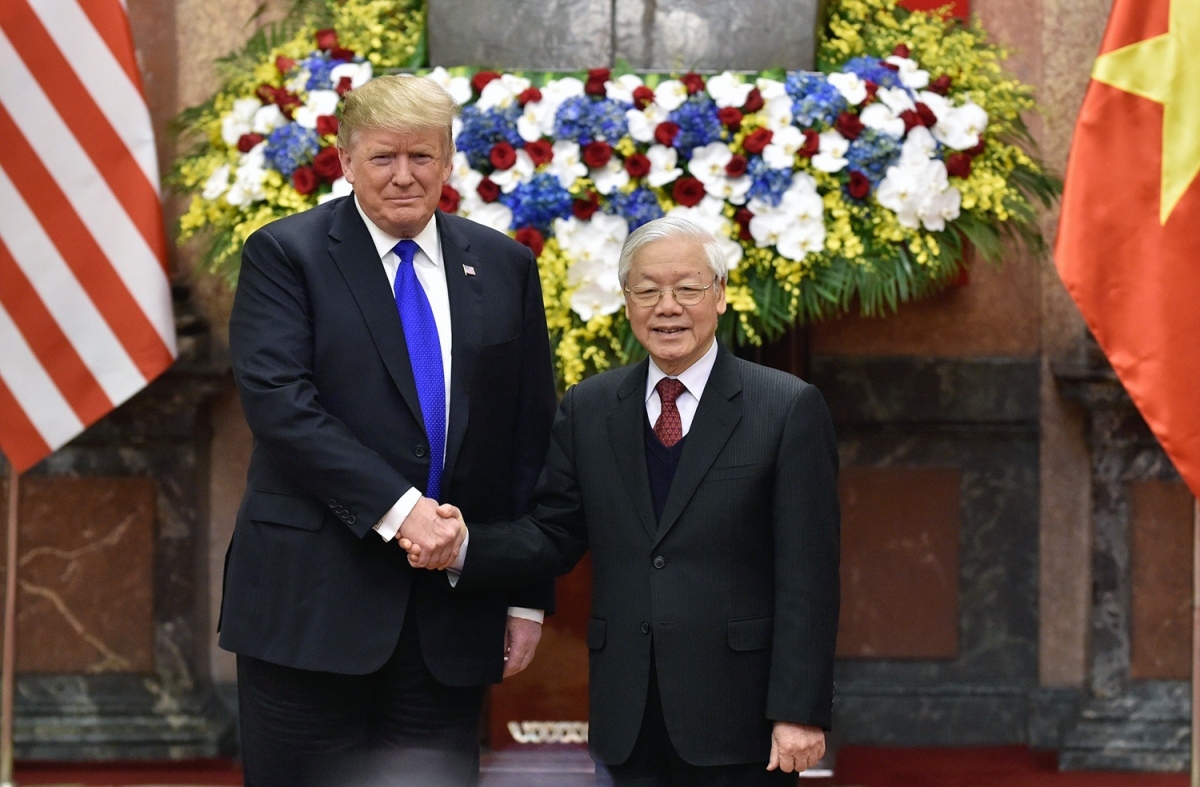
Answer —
321 365
737 585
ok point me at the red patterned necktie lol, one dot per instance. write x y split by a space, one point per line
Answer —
669 428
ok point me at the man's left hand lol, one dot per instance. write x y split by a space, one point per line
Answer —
520 642
795 747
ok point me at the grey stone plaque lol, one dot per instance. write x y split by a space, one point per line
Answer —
521 34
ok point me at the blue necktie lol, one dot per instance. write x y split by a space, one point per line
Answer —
425 354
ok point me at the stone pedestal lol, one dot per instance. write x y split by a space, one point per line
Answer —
675 35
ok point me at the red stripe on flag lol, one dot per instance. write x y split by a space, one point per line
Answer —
77 246
109 19
48 342
20 440
87 123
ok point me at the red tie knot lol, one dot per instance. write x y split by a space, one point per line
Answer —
669 389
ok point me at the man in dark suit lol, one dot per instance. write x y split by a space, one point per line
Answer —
706 488
388 356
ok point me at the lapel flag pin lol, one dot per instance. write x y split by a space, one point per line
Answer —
467 269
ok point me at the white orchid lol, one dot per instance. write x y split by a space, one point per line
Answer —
777 104
851 87
612 177
267 119
621 88
217 183
643 122
920 194
831 156
664 167
496 215
318 104
796 227
670 94
459 88
728 90
710 215
567 164
502 93
248 180
361 73
708 162
463 177
520 172
557 91
239 120
963 127
785 142
911 75
341 188
594 299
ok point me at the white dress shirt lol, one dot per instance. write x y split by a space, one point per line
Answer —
431 272
694 378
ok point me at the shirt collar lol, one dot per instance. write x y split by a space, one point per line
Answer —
427 238
694 378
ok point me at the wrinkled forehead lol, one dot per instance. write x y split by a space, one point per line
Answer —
670 260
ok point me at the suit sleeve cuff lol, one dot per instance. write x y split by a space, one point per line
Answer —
389 526
536 615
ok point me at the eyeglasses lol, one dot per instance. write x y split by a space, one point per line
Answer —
685 295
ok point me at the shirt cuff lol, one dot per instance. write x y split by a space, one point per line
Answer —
536 615
389 526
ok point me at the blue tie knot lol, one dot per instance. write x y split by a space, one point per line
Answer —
407 250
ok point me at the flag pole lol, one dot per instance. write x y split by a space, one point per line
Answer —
1195 640
7 684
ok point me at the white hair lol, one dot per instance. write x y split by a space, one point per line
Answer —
672 227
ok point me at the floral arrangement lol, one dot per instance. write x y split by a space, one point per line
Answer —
864 181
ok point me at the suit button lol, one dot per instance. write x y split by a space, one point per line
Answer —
332 503
419 451
350 520
645 627
660 561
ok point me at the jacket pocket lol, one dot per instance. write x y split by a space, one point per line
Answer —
281 509
596 633
734 471
750 633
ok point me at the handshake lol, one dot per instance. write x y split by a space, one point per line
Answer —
432 535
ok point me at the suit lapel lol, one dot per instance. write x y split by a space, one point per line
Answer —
356 257
466 320
626 431
719 412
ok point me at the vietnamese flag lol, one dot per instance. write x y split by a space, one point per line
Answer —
1128 244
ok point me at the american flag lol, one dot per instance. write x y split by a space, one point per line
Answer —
85 304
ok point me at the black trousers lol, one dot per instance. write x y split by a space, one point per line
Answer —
655 762
392 728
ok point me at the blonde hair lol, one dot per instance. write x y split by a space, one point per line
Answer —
398 102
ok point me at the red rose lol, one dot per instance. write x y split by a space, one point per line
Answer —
941 85
595 81
872 90
754 102
481 79
583 209
541 151
901 50
928 118
688 192
502 156
911 119
665 133
304 180
341 53
448 203
959 165
757 140
742 217
890 66
637 165
265 93
597 154
344 86
287 102
530 237
488 190
812 144
284 64
731 118
529 96
859 186
736 166
642 97
693 82
977 150
849 125
327 165
327 124
327 38
248 141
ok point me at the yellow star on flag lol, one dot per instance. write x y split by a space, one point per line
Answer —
1166 70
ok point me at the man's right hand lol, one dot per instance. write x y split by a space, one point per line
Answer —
431 541
449 516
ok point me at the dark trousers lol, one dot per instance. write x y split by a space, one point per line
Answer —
391 728
655 763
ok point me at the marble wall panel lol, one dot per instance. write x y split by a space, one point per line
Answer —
900 536
548 34
85 573
1161 553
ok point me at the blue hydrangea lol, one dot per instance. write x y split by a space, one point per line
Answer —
291 146
538 203
584 120
319 67
767 183
872 69
815 102
482 129
872 153
637 207
698 124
